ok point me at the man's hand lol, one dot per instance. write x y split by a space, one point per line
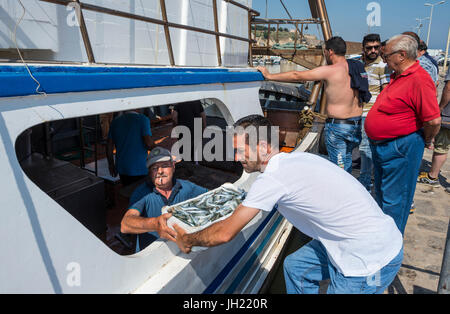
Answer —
263 71
163 230
180 239
430 144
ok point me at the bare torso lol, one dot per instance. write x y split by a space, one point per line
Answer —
342 100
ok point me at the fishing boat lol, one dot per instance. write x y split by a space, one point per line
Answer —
66 64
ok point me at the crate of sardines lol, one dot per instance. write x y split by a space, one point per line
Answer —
200 212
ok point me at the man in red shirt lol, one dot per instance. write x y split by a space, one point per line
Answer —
404 119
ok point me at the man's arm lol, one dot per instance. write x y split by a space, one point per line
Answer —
218 233
203 116
175 117
445 96
149 142
110 157
133 223
316 74
431 129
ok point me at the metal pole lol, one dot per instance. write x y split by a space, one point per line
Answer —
84 33
216 28
429 25
296 37
326 30
250 52
278 28
446 52
431 16
167 33
444 278
326 27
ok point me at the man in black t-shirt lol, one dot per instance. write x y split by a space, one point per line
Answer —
184 114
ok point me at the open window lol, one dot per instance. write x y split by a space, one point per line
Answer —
67 160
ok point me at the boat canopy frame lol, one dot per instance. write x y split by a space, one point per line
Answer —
164 22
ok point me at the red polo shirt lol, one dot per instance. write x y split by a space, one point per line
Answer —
403 106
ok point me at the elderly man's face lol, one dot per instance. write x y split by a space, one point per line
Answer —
393 58
161 173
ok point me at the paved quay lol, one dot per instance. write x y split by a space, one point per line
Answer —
426 231
425 236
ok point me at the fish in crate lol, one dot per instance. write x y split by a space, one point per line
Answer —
198 213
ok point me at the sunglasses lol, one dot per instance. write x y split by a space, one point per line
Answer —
369 48
387 56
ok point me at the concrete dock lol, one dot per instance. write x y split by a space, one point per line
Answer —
426 231
425 236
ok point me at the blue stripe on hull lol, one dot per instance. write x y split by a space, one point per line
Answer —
253 258
227 269
15 80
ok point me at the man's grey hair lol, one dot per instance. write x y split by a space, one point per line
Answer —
406 43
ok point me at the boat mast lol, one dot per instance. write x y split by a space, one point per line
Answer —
319 11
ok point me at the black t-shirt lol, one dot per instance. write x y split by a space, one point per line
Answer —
187 111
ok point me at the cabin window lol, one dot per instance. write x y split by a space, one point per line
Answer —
67 160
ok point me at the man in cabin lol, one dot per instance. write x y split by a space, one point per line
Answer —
130 134
346 88
378 76
185 114
403 121
143 216
355 244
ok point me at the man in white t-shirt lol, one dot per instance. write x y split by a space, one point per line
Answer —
355 245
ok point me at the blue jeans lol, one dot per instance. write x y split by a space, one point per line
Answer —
340 140
396 165
305 268
365 176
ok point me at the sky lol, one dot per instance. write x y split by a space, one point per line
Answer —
348 18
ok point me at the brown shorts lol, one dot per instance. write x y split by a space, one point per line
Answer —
442 141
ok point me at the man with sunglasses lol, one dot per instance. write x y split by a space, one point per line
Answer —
143 217
378 76
394 126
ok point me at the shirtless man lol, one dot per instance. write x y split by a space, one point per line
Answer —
343 127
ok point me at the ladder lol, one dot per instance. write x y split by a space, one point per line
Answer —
84 147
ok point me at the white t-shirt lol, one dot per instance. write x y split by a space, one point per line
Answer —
330 205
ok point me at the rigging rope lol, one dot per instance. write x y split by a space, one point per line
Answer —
20 54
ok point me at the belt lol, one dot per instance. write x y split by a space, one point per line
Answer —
381 142
343 121
385 141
